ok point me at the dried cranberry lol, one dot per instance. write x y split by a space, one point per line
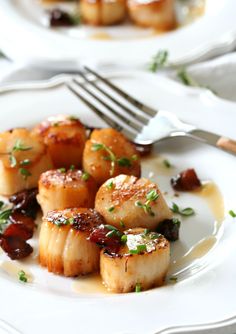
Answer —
186 181
59 18
169 228
106 238
18 218
18 230
15 247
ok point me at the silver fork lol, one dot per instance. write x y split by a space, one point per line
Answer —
139 122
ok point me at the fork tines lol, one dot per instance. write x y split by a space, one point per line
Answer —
117 108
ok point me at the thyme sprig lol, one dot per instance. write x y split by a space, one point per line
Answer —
151 196
123 161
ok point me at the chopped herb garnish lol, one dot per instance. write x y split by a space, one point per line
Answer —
110 185
166 163
232 213
4 216
158 61
71 220
1 204
55 124
138 250
151 196
111 209
122 224
124 162
12 160
183 212
138 287
72 167
63 221
25 173
146 231
62 170
124 239
85 176
134 157
176 221
19 146
187 80
25 162
22 276
73 118
174 279
114 229
111 155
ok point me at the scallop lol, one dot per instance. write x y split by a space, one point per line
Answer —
65 137
103 12
109 153
23 157
140 264
64 245
126 202
159 14
60 189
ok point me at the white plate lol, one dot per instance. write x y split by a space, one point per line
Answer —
204 295
24 38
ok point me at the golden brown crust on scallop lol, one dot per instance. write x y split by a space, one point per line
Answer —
64 245
159 14
65 138
98 163
59 190
122 193
103 12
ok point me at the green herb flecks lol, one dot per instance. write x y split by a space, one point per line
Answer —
114 230
4 216
19 146
183 212
72 167
123 239
62 170
151 197
188 80
166 163
173 279
138 287
111 209
85 176
140 249
158 61
122 224
25 173
122 161
232 213
110 185
22 276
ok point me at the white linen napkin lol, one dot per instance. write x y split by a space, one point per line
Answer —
218 74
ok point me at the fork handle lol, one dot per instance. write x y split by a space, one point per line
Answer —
213 139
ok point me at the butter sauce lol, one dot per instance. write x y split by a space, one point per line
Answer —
12 269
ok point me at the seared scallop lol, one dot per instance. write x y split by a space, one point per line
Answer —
23 157
64 247
159 14
60 189
140 264
103 12
127 202
109 153
65 138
